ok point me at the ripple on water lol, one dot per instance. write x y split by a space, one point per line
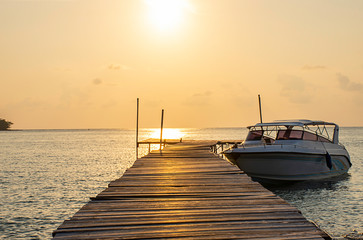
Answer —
354 235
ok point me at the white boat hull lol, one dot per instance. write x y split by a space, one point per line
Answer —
289 165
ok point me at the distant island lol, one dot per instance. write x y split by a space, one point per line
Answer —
4 125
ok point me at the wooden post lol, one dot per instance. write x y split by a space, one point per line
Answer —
137 130
161 128
259 103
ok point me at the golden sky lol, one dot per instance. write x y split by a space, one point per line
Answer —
82 64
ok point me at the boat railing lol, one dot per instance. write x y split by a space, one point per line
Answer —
220 146
265 145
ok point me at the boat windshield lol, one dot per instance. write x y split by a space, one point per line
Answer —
272 133
254 135
289 135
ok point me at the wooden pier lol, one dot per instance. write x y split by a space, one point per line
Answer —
187 192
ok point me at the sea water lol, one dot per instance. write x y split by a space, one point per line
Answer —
48 175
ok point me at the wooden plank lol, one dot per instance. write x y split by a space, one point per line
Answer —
186 231
186 191
189 202
269 225
160 213
183 189
171 210
232 182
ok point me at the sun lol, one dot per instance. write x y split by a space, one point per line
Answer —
166 15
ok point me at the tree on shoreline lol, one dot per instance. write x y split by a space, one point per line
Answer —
4 125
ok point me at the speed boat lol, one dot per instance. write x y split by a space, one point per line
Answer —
291 150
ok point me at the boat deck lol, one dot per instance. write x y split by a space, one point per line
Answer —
186 192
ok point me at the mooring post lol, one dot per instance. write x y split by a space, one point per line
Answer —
137 130
161 128
259 103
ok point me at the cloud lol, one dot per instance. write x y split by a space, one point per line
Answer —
118 67
294 89
204 94
314 67
97 81
153 70
63 69
200 99
29 103
109 104
73 96
347 85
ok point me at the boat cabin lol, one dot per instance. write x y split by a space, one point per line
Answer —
294 130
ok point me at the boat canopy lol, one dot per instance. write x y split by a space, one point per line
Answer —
299 122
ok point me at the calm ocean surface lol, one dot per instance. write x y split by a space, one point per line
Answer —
48 175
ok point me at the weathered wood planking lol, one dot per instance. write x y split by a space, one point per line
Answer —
186 192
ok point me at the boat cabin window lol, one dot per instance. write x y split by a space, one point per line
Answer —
289 135
310 136
323 139
254 135
299 135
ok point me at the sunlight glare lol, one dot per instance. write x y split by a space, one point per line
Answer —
168 133
167 14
